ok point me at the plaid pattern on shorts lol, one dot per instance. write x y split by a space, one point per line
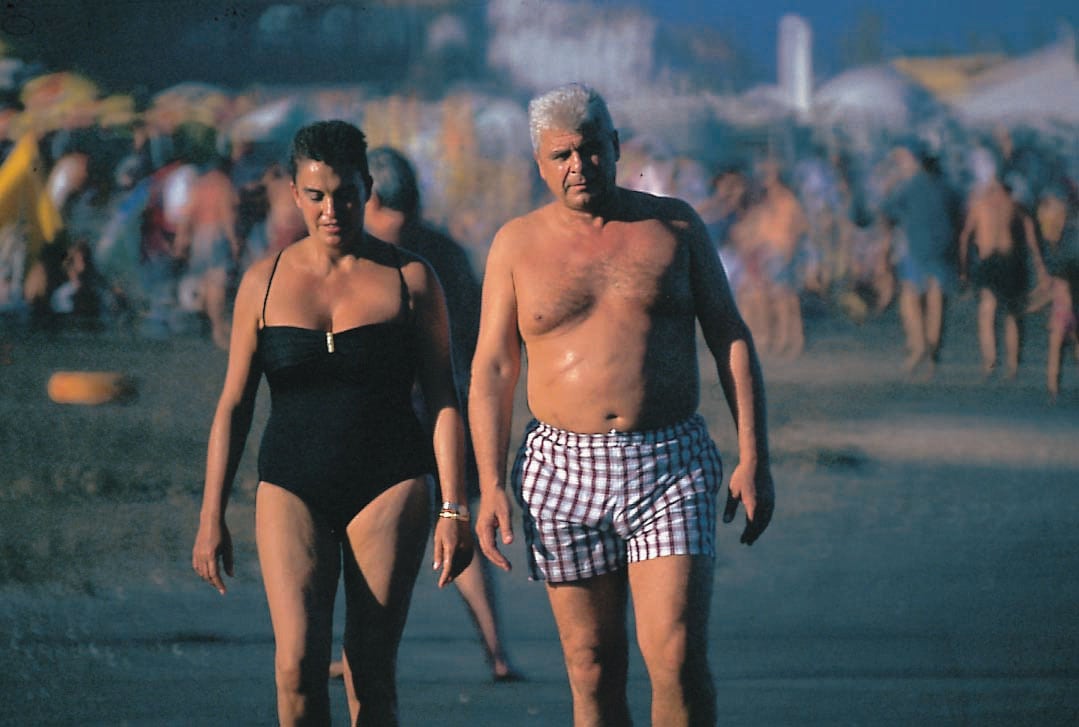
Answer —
594 502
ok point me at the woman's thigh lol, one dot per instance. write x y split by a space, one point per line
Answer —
386 543
300 561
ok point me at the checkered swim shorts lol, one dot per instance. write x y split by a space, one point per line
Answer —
594 502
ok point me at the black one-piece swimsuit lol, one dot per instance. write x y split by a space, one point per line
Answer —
341 429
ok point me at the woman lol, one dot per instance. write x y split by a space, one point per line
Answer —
342 325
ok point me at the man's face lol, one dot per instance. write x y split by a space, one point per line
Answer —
579 165
331 201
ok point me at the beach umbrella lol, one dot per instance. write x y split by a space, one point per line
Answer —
63 88
57 100
202 103
874 96
275 121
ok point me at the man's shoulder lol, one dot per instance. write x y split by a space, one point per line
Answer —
653 205
520 230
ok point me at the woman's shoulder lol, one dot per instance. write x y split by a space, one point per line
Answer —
256 279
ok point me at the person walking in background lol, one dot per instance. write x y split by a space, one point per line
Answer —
1004 237
1058 219
342 325
393 214
923 240
618 478
207 240
779 225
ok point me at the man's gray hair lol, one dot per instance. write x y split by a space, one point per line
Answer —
568 108
394 180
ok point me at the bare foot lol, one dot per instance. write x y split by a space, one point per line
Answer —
503 673
913 359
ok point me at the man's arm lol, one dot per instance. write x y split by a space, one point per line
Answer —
729 340
495 369
964 240
1030 236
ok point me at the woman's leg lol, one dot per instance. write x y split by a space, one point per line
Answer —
386 543
300 561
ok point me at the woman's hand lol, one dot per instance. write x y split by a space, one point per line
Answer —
453 548
213 548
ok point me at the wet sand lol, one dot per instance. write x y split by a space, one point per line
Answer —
921 567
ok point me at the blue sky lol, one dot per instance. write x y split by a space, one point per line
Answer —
906 25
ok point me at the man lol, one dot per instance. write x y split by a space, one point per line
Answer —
923 230
393 214
994 222
780 226
618 478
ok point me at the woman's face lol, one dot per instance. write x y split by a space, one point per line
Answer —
331 201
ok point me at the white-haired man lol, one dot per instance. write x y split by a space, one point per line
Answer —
617 478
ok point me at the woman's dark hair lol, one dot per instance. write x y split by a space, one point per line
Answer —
335 143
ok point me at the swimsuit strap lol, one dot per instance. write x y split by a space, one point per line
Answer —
406 298
268 282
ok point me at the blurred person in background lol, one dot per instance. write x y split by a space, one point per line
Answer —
1004 240
206 238
393 214
1058 218
780 226
922 240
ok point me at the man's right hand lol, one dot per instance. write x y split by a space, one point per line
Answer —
495 514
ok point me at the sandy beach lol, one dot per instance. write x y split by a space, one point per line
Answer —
920 569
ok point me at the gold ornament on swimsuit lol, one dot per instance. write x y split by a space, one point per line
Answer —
329 341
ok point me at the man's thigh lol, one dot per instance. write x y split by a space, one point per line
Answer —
672 597
591 615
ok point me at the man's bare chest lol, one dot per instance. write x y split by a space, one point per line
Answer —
627 282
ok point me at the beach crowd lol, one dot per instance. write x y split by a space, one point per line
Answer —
115 216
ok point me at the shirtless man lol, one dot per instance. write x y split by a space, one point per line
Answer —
618 478
993 222
780 224
207 240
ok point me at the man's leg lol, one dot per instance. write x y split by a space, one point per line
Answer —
671 600
987 339
910 313
1056 344
591 619
1011 344
934 317
477 591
